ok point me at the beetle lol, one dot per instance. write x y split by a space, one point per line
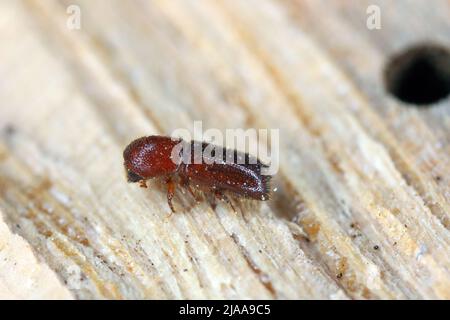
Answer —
218 170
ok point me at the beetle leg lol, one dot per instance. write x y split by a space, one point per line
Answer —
224 197
186 184
211 200
170 192
143 184
196 197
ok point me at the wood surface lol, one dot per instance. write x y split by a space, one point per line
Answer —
362 202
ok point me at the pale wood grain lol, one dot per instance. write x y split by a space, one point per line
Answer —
357 168
22 276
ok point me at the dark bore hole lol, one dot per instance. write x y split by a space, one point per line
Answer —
419 75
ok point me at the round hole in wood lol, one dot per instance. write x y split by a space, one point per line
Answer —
419 75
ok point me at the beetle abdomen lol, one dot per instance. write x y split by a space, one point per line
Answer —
225 169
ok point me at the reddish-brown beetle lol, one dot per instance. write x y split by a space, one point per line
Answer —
233 171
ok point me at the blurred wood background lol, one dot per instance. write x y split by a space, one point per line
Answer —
362 206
